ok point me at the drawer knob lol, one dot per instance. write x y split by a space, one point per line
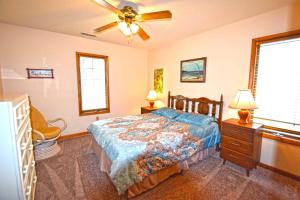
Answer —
235 144
28 190
25 169
23 146
34 179
30 147
233 156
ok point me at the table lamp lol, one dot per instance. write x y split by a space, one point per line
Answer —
243 101
152 96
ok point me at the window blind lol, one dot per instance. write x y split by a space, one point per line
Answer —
276 84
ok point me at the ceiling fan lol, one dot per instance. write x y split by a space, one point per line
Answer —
129 19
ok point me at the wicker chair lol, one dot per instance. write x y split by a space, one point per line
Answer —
45 134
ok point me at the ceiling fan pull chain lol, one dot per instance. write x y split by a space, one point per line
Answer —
130 39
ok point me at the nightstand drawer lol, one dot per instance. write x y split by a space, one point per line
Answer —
237 145
237 158
238 132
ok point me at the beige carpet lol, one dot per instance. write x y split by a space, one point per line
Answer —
74 174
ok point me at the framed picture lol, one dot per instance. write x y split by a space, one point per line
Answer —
158 80
39 73
193 71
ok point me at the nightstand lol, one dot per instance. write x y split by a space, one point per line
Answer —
241 143
147 109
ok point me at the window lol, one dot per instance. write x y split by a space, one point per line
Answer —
275 80
93 86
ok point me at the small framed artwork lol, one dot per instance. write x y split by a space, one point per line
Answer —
158 80
193 70
39 73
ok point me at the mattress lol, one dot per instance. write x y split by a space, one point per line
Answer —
139 146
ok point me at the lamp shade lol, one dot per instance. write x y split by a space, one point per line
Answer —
152 96
243 100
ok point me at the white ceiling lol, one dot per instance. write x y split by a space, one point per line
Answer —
189 17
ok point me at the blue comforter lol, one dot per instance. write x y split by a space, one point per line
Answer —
141 145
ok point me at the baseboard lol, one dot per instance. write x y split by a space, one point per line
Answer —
72 136
279 171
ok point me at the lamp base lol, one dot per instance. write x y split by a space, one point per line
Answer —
244 116
151 104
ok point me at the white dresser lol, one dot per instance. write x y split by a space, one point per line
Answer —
17 165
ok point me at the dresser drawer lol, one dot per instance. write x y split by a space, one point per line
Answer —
22 111
30 188
33 185
238 132
28 156
237 145
28 168
25 141
237 158
25 128
30 180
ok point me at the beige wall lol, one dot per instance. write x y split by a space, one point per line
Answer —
24 47
1 85
283 156
228 51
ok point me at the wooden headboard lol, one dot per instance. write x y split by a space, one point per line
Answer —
200 105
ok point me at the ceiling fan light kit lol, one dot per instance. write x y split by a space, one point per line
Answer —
128 29
129 18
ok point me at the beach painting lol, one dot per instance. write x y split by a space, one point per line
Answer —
193 70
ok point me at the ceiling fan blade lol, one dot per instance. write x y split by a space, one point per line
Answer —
107 26
108 6
166 14
143 34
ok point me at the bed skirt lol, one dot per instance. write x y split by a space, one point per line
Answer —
155 178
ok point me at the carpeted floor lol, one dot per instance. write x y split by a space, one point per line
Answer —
75 174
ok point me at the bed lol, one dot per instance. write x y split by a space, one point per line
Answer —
140 151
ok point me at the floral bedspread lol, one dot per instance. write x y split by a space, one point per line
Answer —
141 145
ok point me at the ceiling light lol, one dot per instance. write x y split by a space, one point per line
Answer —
123 26
134 28
128 29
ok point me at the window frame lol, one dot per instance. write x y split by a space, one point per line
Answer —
256 42
93 111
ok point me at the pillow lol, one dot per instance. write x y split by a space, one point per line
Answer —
166 112
195 119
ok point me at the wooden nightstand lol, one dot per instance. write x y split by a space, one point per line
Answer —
241 143
147 109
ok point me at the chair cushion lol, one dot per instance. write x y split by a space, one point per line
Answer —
38 121
48 132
